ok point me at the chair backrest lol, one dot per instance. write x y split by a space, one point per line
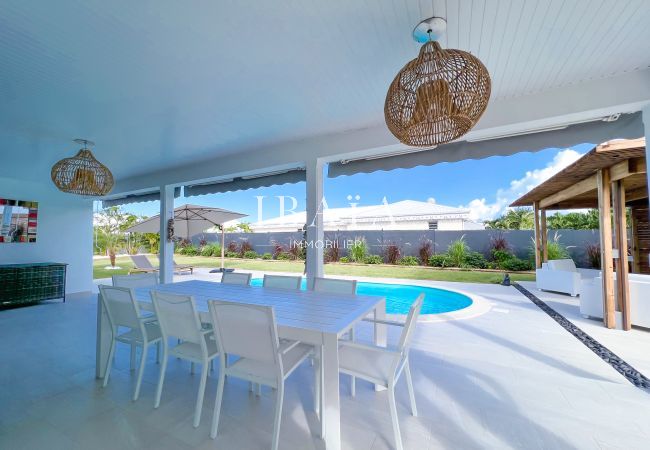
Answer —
136 280
121 307
282 281
335 286
409 325
562 264
248 331
141 262
177 316
236 278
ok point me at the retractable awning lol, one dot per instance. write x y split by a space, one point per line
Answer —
627 126
137 198
247 182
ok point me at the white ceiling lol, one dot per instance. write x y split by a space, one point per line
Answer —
162 83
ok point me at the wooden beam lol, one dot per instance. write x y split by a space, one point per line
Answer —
636 267
627 168
579 188
622 286
538 256
605 215
544 240
636 194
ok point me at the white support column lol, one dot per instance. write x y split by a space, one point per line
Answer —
166 255
314 263
646 126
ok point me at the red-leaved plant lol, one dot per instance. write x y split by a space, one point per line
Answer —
392 253
425 251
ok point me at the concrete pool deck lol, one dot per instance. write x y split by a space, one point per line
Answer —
509 378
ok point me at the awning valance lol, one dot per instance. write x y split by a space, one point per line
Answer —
247 182
627 126
137 198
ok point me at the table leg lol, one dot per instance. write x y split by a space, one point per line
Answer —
381 332
331 407
104 336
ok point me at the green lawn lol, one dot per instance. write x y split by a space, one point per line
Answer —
380 271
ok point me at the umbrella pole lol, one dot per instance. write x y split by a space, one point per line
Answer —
223 243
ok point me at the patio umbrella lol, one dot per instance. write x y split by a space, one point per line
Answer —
190 220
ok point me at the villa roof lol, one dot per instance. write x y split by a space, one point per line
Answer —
575 186
404 210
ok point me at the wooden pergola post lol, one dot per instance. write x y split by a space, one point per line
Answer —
538 233
544 239
604 207
620 221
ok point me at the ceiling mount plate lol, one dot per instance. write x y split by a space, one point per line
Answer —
84 142
430 29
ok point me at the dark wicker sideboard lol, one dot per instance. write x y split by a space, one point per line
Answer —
30 283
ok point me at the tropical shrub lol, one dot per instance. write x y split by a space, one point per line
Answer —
203 242
554 248
244 247
277 249
438 260
344 259
250 254
425 251
373 259
229 254
457 253
515 264
211 250
232 247
498 243
392 253
408 261
359 250
267 255
297 251
593 254
284 256
190 250
475 260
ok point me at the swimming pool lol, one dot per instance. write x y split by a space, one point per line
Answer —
400 296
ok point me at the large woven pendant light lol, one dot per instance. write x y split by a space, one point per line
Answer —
82 174
440 95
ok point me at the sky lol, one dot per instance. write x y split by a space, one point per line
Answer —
485 186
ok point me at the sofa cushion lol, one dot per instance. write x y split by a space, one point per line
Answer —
562 264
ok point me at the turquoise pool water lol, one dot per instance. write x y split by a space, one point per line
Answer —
400 296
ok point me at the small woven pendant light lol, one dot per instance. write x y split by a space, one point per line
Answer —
82 174
440 95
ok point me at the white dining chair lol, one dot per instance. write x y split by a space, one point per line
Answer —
239 278
134 281
335 286
250 332
123 311
383 366
282 282
178 318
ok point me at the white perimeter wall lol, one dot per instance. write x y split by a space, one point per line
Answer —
64 233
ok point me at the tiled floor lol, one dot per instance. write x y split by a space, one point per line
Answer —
510 378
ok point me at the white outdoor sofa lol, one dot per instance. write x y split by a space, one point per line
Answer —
561 275
591 298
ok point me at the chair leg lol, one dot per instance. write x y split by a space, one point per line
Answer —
278 416
217 405
317 379
393 416
158 352
161 377
409 384
143 361
212 365
133 350
199 401
192 368
353 381
111 356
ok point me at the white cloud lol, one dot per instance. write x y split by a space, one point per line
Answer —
483 209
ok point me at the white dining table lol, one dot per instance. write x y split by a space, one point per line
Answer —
315 318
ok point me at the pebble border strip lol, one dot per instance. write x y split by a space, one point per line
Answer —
633 376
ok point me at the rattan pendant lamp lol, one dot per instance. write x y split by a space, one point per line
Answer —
440 95
82 174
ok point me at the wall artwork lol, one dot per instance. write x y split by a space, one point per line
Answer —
18 220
